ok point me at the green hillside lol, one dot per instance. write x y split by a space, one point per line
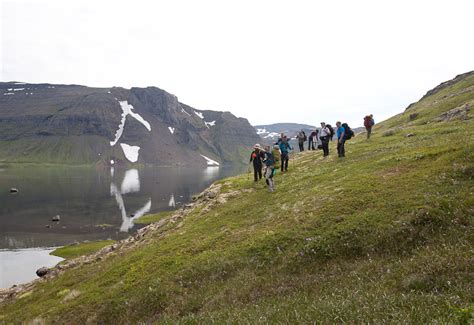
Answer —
384 235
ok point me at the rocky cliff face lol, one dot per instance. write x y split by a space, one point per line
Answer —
72 124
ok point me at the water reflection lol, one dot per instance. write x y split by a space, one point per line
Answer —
93 203
171 202
130 184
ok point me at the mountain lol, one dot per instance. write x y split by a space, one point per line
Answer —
45 123
271 132
384 235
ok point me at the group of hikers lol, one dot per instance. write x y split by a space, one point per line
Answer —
267 160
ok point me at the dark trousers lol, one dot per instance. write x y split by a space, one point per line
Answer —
325 144
257 172
340 148
311 144
369 132
301 144
284 161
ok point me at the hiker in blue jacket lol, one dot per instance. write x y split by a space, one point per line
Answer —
340 133
269 167
285 147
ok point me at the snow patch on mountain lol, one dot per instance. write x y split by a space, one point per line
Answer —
210 162
127 110
171 129
131 152
199 114
208 124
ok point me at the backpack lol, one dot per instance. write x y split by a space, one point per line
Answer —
331 131
304 136
348 133
367 121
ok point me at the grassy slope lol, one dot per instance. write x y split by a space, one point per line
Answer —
385 235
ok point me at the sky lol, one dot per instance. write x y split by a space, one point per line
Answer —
268 61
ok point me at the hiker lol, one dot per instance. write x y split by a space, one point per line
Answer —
280 139
324 136
340 133
368 123
277 156
284 149
269 162
257 157
313 137
301 139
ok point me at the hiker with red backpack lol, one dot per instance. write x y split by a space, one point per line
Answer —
325 135
256 157
368 123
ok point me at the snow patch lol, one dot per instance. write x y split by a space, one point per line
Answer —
6 94
18 89
271 135
131 152
171 129
208 124
10 89
182 110
210 162
261 131
199 114
127 110
109 92
112 162
20 83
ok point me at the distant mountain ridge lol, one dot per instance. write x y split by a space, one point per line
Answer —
71 124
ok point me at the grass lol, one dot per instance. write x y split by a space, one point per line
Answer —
151 218
77 250
382 236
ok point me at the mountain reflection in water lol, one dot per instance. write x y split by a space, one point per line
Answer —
94 204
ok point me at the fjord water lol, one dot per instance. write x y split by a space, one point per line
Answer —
92 204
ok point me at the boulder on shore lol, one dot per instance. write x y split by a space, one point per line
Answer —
42 271
13 190
56 218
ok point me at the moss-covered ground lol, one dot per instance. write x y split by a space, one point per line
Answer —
382 236
73 251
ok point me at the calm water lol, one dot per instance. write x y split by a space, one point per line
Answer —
92 204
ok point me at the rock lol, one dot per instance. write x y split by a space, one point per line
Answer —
388 133
410 135
457 113
13 190
48 226
42 271
211 194
413 116
132 215
56 218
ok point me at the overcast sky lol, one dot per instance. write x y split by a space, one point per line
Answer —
268 61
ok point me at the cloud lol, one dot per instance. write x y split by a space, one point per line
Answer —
268 61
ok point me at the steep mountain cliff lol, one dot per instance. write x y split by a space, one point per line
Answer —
44 123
